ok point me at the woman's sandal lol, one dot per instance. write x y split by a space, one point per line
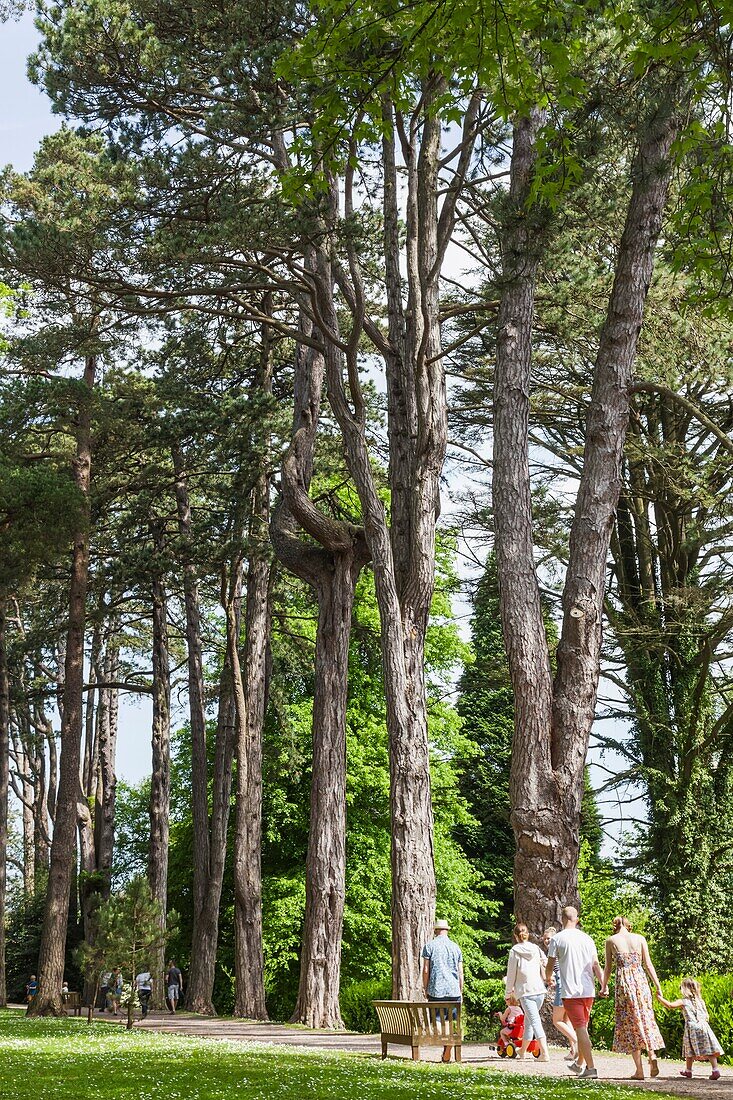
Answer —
686 1073
653 1067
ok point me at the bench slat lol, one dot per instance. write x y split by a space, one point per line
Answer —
420 1023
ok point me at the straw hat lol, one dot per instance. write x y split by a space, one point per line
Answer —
441 926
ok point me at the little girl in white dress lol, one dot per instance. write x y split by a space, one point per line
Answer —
699 1041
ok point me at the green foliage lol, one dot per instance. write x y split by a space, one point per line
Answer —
357 1009
132 831
486 707
287 748
483 999
604 895
23 940
130 930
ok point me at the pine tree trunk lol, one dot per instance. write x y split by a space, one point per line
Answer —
195 993
403 622
248 949
96 828
53 768
4 784
332 569
203 956
160 780
249 963
26 788
531 782
320 960
106 763
88 775
40 797
552 722
53 937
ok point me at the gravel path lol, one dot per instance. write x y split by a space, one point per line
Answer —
611 1067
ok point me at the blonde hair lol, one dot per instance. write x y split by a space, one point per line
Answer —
691 988
621 922
551 931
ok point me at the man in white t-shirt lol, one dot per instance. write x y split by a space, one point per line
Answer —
577 958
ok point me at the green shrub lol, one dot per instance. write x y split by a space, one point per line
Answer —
717 992
602 1021
483 998
357 1009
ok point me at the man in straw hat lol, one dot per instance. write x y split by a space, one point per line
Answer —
442 970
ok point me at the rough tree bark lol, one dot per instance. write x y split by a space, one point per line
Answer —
4 784
248 944
209 835
248 951
404 556
105 791
203 964
160 789
197 712
331 568
21 780
553 721
88 772
96 803
53 937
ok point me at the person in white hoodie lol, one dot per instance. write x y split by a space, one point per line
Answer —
525 981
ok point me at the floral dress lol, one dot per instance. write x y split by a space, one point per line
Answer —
699 1040
636 1026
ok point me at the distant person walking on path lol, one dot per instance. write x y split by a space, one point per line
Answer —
577 957
442 972
636 1026
102 1000
699 1042
174 982
115 991
559 1015
144 986
525 980
31 988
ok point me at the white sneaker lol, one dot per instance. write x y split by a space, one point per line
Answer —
588 1074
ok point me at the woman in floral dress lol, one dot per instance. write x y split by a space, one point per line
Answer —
636 1027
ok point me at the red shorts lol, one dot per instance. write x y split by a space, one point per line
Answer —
578 1010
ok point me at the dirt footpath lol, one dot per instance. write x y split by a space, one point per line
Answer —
611 1067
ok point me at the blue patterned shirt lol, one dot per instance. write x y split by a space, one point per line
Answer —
445 958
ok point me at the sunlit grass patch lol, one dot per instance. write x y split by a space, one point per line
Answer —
69 1060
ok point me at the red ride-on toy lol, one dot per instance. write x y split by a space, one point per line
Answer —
510 1047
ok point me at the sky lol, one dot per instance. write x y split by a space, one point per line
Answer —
25 119
26 115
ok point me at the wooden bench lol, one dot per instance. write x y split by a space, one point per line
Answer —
72 1002
420 1024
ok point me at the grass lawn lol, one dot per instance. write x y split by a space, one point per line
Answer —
68 1060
